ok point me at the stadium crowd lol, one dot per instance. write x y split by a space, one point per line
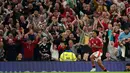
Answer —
45 30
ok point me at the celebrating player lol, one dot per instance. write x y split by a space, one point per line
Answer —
96 44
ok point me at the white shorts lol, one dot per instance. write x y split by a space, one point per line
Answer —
98 55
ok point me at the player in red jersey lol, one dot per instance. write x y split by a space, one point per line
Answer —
96 44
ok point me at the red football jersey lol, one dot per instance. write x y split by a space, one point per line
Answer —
95 41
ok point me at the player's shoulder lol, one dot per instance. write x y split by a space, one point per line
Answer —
98 38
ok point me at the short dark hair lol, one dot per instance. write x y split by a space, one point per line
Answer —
96 31
126 28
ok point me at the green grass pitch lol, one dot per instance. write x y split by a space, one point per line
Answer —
75 72
64 72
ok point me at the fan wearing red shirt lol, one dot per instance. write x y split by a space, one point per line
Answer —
96 44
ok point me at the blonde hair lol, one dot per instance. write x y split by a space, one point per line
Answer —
99 8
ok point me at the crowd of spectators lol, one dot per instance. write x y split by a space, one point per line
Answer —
41 30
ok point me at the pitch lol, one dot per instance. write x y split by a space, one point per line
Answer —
75 72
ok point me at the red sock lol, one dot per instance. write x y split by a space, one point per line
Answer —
105 69
93 66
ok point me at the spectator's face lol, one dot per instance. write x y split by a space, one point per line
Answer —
10 20
19 56
116 28
17 25
55 13
16 9
36 13
67 14
94 34
54 19
64 35
41 18
113 8
68 32
41 8
67 6
71 36
84 6
99 28
10 41
88 7
9 7
109 26
44 10
30 6
10 35
44 39
104 14
126 31
57 6
71 43
68 19
63 20
19 6
115 23
22 18
85 28
108 55
55 47
89 29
